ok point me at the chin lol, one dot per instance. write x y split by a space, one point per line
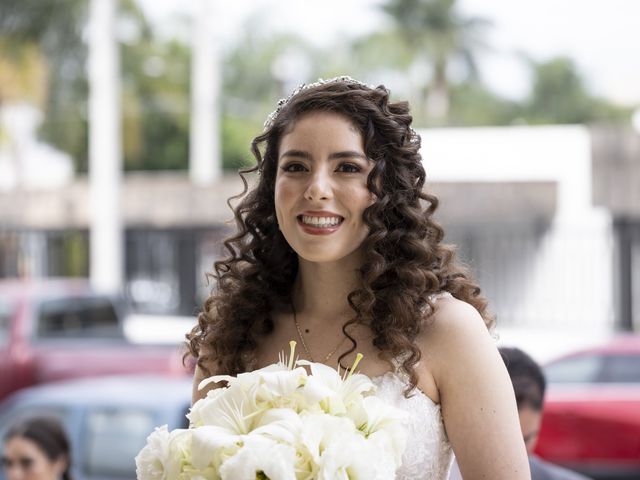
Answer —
327 256
319 257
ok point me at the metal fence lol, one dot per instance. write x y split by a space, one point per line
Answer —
543 275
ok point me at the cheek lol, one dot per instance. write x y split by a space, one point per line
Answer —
41 469
361 198
283 198
530 426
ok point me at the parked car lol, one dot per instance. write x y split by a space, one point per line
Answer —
107 419
591 420
52 329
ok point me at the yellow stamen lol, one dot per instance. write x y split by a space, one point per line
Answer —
292 345
355 364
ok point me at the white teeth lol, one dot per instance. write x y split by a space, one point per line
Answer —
321 221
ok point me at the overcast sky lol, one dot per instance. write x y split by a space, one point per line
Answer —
602 36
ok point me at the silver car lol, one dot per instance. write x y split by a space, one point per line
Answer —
107 419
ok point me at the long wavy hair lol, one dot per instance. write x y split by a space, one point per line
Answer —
405 261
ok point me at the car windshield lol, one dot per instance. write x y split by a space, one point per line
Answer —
78 317
584 369
114 437
621 369
595 368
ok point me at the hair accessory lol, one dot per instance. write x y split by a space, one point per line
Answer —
283 101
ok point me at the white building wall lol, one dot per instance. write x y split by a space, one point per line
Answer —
569 280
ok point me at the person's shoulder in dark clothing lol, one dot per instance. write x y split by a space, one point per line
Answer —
542 470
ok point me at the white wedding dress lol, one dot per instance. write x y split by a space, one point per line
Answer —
428 454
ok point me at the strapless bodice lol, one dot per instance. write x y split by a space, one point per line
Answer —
428 454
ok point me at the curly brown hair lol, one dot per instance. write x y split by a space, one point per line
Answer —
405 259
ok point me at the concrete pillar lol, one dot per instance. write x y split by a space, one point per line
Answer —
205 163
105 150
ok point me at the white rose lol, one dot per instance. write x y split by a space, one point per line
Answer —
164 455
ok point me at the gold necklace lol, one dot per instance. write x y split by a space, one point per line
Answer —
304 344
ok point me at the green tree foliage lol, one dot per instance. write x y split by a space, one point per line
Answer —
427 37
155 100
474 105
437 34
156 105
250 87
56 27
559 95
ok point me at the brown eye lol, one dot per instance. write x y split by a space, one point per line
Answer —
349 168
293 167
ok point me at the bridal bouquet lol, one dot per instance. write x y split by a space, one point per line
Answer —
281 423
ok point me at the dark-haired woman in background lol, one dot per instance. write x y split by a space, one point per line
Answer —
36 449
337 248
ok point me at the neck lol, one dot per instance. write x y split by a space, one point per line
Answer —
320 290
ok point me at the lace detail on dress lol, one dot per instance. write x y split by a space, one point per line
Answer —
428 454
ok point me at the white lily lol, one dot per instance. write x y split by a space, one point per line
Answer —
212 445
381 424
335 394
356 459
234 409
249 379
195 413
260 457
321 430
280 422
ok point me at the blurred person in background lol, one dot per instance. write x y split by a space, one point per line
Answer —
529 385
36 449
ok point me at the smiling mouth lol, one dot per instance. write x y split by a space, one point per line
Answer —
320 222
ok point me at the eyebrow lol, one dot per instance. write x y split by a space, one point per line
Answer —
334 156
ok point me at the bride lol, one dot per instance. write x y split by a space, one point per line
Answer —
336 248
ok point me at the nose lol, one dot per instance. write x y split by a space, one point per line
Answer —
319 187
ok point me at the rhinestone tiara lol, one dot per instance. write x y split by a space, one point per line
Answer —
284 101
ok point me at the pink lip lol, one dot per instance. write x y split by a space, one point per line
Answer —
319 230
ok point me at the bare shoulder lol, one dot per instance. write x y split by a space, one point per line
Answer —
475 392
455 327
457 344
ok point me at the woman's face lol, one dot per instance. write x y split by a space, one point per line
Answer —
23 459
321 187
530 420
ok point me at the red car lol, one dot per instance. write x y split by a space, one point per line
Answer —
591 420
53 329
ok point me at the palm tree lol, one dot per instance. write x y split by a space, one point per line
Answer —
437 34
